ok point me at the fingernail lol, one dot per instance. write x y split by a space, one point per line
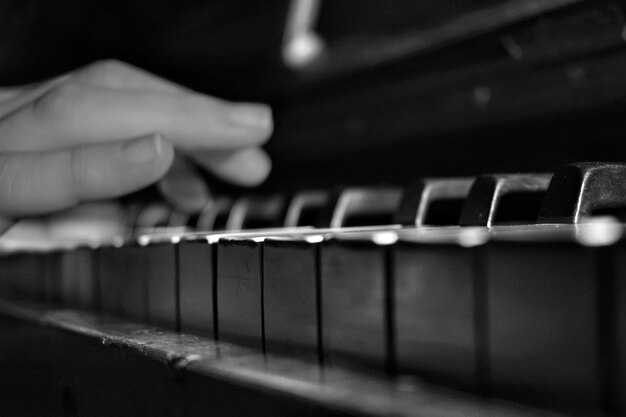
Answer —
146 149
256 116
187 195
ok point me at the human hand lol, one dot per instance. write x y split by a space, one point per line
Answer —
109 129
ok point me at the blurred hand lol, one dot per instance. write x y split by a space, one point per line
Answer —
109 129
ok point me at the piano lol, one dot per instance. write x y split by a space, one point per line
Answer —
442 233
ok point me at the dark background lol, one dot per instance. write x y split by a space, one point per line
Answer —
394 96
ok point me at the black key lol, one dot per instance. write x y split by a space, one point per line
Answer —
366 207
214 215
131 212
152 218
309 208
582 190
257 212
433 202
179 222
505 199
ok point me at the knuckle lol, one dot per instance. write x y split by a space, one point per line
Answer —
59 105
109 64
104 70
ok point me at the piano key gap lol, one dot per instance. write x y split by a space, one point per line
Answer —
314 216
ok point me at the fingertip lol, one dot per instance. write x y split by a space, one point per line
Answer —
183 186
256 167
246 167
256 118
252 115
165 150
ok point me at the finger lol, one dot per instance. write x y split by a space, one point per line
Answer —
36 183
71 115
8 93
247 167
88 223
120 75
183 187
107 73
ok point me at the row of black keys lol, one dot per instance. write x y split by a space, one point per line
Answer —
487 200
533 314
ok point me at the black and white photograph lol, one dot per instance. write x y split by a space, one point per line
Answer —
346 208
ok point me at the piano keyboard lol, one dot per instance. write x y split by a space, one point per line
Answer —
502 286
